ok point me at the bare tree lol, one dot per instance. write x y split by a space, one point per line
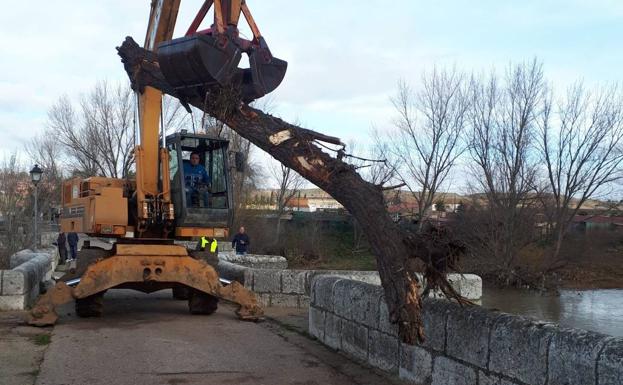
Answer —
14 207
581 146
289 183
503 122
98 137
430 124
46 151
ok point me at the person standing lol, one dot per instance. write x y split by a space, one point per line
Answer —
72 240
61 243
241 242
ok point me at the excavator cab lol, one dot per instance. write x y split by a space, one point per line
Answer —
200 181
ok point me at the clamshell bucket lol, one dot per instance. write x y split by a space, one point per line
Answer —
199 60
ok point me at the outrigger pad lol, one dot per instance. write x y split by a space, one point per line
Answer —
199 60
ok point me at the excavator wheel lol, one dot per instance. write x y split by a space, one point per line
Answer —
202 303
180 293
91 306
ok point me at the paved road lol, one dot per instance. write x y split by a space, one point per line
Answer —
153 340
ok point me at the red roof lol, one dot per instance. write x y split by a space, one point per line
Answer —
598 219
404 207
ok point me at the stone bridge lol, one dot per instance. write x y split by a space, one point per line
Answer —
151 339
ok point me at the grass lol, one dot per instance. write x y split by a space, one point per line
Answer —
41 339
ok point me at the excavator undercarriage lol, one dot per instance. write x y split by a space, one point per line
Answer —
146 268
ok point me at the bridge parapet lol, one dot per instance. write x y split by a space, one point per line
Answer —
20 286
464 345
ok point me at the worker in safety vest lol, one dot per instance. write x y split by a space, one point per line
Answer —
204 242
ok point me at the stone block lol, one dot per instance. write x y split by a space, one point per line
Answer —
434 317
20 257
519 349
450 372
284 300
468 334
354 340
322 293
416 364
303 301
383 351
610 364
333 331
14 282
248 278
316 323
385 325
342 303
266 281
13 302
365 300
467 285
492 379
293 282
572 356
263 299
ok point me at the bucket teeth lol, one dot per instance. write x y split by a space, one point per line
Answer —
196 63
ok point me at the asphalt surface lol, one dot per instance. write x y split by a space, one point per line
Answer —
151 339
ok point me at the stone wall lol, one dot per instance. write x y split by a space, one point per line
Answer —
21 285
292 288
464 346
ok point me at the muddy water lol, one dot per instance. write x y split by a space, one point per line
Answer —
596 310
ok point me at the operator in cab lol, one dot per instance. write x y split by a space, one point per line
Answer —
196 181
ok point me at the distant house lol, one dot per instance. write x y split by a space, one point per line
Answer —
298 204
586 223
403 211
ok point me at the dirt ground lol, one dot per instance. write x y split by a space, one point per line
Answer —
21 349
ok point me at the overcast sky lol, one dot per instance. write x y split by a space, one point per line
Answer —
345 57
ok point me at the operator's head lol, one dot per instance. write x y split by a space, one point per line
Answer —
195 158
241 230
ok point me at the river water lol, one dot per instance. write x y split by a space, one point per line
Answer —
596 310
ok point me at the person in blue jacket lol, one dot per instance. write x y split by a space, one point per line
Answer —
196 180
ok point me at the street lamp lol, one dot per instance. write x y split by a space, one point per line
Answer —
35 177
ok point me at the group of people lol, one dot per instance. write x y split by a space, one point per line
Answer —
240 243
62 241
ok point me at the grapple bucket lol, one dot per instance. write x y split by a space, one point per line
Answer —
267 72
199 60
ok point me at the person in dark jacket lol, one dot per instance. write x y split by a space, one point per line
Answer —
72 240
62 248
241 242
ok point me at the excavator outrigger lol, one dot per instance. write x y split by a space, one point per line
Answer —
147 214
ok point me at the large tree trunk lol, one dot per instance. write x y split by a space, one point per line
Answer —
294 147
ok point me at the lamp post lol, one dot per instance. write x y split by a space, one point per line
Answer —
35 177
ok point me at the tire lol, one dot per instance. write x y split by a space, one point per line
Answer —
202 303
91 306
180 292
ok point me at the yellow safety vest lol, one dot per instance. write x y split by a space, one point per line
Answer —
213 244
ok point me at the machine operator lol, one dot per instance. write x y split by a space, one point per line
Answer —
196 180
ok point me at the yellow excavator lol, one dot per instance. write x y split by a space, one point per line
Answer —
167 201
